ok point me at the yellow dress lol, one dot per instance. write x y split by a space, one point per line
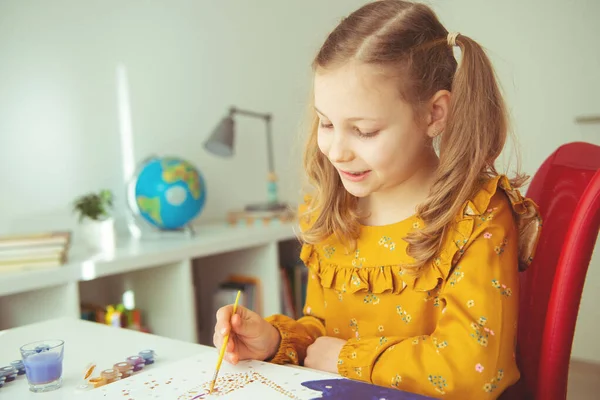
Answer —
449 333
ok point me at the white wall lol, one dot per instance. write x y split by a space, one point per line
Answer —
189 60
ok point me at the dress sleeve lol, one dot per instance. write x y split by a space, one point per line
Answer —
470 354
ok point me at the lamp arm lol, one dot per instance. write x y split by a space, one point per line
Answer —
270 147
235 110
267 118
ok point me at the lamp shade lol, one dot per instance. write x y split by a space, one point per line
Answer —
221 139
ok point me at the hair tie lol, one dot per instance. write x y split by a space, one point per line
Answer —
452 38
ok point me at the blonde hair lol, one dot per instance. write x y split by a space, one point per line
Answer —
409 40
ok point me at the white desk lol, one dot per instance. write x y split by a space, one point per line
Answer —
85 342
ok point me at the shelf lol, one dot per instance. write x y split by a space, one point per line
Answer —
131 255
25 281
172 278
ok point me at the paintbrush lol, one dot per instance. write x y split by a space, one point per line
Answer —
224 345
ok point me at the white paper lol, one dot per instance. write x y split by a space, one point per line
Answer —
189 379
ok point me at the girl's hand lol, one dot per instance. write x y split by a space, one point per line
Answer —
251 336
324 353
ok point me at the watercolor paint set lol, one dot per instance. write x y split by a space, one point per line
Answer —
121 370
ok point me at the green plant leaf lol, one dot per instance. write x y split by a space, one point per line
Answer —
95 206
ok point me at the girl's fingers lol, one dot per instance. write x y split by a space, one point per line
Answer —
223 328
236 321
223 317
216 339
232 358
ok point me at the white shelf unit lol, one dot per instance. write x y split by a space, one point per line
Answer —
173 278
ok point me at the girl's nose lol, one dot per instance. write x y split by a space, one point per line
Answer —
340 150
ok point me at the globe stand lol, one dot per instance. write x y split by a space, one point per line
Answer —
140 229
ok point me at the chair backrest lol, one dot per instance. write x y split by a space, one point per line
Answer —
567 190
566 294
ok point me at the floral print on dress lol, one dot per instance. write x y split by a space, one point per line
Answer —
396 381
419 339
355 280
341 292
387 243
439 345
358 260
405 316
471 303
292 354
431 295
487 216
383 340
371 299
439 383
492 384
456 276
354 327
482 333
503 289
500 249
328 251
479 368
461 244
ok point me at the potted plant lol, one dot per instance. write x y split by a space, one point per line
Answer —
95 217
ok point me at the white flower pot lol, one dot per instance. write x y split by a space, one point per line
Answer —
98 235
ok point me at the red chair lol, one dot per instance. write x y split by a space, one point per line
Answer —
567 191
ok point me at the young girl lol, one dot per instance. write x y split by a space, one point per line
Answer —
413 257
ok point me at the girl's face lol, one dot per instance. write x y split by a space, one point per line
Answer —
368 133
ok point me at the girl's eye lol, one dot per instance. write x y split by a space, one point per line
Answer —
361 134
366 134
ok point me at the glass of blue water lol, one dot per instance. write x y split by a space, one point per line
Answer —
43 364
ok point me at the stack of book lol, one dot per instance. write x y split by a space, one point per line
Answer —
34 251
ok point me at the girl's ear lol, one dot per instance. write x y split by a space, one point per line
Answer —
437 113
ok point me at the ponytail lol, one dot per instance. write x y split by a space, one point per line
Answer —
473 138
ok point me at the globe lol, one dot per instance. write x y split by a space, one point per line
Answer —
169 192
